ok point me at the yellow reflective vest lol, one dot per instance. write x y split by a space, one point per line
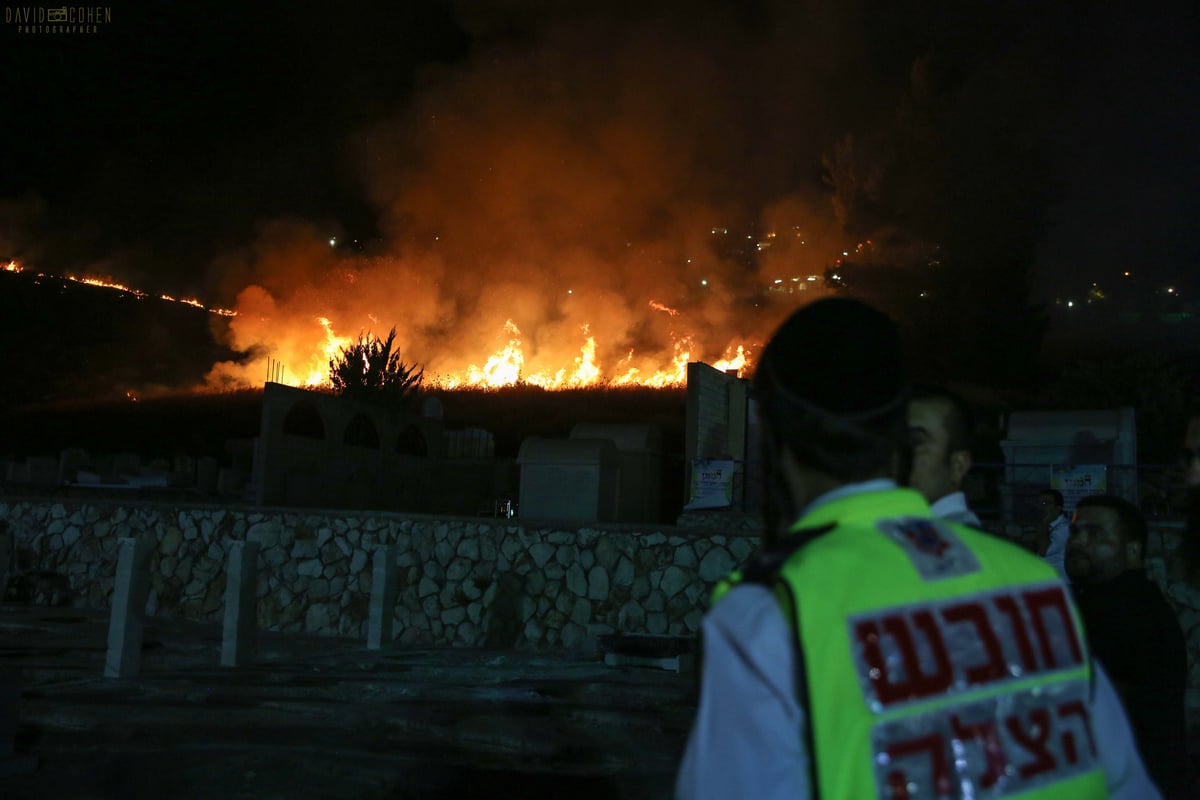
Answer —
938 661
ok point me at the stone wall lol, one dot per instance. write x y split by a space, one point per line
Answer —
462 581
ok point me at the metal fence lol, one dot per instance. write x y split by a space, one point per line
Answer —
1005 495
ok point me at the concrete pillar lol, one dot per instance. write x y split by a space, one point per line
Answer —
127 622
241 612
383 597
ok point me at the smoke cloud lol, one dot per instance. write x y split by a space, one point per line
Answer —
566 177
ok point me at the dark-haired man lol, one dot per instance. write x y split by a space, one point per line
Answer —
869 650
1053 530
1133 631
940 424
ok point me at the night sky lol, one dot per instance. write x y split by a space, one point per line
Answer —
212 148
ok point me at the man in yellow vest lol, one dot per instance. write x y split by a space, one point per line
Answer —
869 650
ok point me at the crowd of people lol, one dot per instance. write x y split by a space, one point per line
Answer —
880 644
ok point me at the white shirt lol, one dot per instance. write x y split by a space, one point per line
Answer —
748 736
1056 552
953 507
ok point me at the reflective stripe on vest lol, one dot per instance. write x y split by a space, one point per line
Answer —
941 662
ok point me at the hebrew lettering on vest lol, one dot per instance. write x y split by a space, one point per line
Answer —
910 653
1052 598
987 732
996 747
994 668
916 683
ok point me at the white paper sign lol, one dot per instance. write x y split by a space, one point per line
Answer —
712 484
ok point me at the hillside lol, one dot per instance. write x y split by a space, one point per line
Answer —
69 341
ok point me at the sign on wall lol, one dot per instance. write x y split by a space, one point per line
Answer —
712 484
1077 481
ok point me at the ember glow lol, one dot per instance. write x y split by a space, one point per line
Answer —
107 282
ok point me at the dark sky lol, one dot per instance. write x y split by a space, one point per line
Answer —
160 148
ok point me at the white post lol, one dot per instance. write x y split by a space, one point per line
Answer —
383 597
241 621
127 622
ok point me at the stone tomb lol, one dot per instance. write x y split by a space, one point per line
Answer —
569 479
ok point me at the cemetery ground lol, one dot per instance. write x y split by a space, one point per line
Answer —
323 717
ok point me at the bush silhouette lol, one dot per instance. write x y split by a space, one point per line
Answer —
370 369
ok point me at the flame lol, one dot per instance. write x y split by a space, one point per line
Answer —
507 366
737 363
676 374
504 367
108 282
331 348
660 307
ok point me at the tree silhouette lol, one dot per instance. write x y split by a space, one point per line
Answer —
370 369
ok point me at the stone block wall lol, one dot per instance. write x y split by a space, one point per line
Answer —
461 581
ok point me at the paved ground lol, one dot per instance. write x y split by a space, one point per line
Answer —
324 718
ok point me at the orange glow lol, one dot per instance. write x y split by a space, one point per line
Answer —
738 363
110 283
660 307
507 366
331 348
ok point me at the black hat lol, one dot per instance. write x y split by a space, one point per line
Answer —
838 355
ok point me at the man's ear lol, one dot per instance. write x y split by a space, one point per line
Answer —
960 465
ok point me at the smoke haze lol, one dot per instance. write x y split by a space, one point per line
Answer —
564 178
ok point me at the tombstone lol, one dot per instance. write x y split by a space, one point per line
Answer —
41 471
241 623
125 465
383 597
569 479
206 475
470 443
231 481
128 618
641 453
70 462
431 407
17 473
150 477
183 471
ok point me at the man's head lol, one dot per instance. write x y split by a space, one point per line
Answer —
1108 537
1190 455
940 427
1049 505
831 393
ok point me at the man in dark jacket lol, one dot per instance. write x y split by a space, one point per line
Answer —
1133 631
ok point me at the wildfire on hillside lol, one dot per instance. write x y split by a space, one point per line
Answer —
108 282
573 365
